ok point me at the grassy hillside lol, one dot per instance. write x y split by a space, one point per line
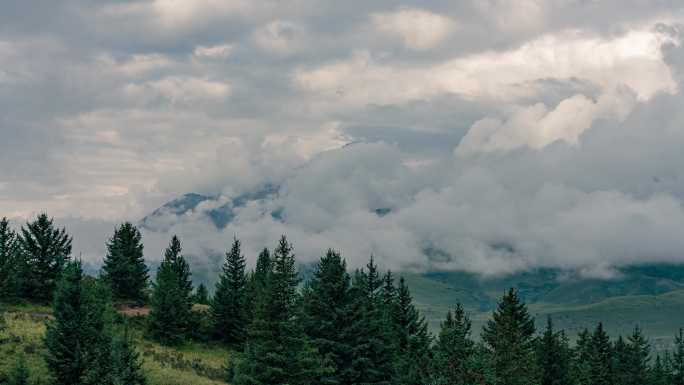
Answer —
190 364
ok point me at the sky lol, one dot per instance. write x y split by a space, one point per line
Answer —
503 135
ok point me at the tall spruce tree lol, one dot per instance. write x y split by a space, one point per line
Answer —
581 364
124 266
601 360
78 340
660 373
509 335
621 361
326 304
171 303
553 357
372 349
638 358
19 374
678 359
413 341
256 282
454 351
44 251
228 309
277 351
9 261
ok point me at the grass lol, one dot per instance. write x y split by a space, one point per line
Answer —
192 363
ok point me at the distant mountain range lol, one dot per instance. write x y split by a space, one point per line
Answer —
219 210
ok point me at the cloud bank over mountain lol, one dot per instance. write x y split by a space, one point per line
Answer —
490 136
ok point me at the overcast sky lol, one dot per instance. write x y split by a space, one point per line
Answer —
505 134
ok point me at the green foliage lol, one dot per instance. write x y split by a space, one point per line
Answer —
454 351
9 261
600 367
256 282
78 339
126 363
44 251
509 335
638 358
372 344
326 304
413 355
124 266
201 295
19 375
171 304
277 351
553 357
228 309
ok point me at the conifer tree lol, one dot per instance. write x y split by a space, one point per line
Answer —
124 266
677 361
454 350
372 354
581 365
277 351
126 363
659 373
78 339
553 358
202 295
228 309
601 358
44 251
638 358
171 304
326 304
413 341
8 261
509 336
256 282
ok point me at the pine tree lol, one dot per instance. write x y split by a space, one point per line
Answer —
454 351
638 358
659 373
45 251
171 304
124 266
256 283
678 359
126 363
228 309
372 350
19 374
326 301
553 357
509 335
9 260
78 339
202 295
601 358
413 341
277 351
581 365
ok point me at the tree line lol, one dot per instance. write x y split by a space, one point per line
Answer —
338 327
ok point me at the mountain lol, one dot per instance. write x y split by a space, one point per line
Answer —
217 209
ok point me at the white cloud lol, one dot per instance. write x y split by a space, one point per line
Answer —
419 29
536 126
215 52
634 59
179 90
280 37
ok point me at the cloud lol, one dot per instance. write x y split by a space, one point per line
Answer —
214 52
179 90
280 37
419 29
